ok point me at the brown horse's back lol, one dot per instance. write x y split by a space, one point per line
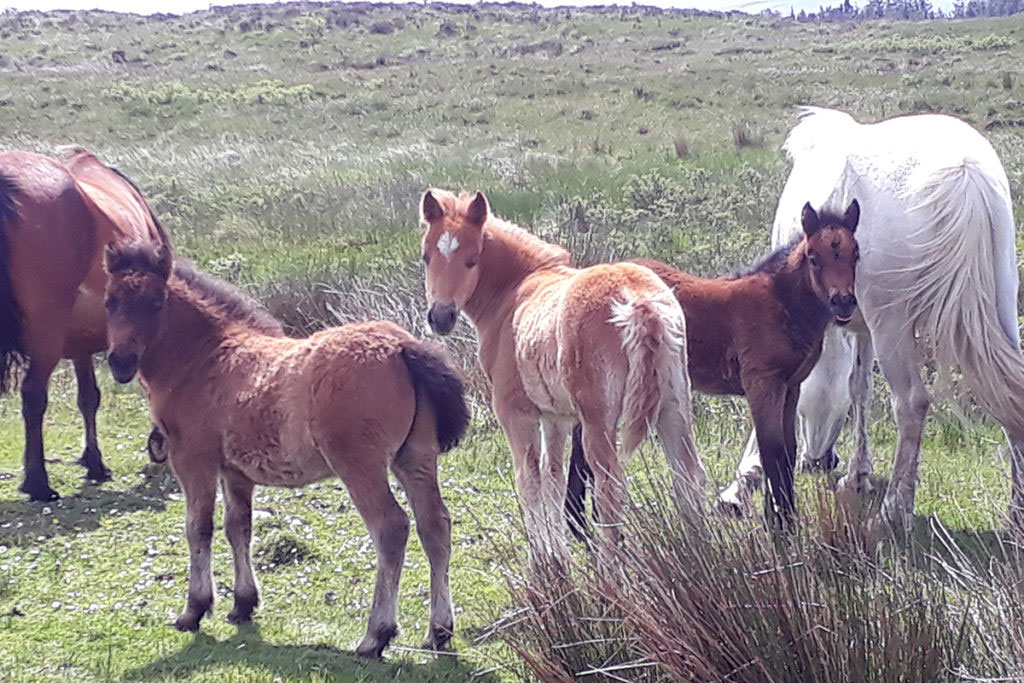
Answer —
725 318
294 411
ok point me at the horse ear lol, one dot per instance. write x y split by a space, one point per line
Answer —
478 210
163 261
111 257
852 216
809 219
430 208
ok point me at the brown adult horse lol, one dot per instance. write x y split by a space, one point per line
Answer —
240 403
758 335
601 345
55 219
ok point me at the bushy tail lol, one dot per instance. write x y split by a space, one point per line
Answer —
436 378
11 351
963 300
653 337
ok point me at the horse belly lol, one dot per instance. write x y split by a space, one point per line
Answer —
538 362
275 459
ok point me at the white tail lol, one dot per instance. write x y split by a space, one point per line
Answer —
963 298
654 339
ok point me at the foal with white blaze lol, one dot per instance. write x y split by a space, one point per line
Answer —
604 345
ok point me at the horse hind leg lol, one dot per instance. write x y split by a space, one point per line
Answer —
675 431
415 467
238 528
366 478
910 406
88 404
34 391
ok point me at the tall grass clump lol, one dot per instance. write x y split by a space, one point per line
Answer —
717 600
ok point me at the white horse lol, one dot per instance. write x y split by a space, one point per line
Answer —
937 280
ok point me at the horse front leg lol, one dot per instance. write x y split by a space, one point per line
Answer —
34 396
857 477
199 483
238 490
88 404
769 403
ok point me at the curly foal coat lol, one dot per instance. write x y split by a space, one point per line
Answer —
603 345
247 407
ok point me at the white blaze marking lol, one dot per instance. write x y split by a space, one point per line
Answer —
447 245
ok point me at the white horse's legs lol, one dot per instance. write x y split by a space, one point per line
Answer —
861 462
825 400
734 500
896 356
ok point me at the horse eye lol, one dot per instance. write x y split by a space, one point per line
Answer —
471 263
426 258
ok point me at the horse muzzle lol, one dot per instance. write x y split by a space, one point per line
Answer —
123 366
442 317
843 306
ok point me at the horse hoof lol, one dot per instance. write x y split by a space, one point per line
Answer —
98 475
732 504
438 638
858 484
187 622
40 494
373 644
238 618
156 446
241 612
825 463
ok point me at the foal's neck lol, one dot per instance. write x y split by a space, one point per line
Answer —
508 256
791 285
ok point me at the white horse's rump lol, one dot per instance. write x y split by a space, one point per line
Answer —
937 278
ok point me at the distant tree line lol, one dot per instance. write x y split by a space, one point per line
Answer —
912 9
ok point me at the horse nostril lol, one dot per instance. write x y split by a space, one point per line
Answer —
442 318
122 364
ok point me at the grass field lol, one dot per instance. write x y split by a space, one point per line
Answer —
286 148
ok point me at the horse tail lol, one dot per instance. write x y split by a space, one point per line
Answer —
653 337
964 298
441 384
12 352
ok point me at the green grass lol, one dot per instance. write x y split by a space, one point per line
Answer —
291 161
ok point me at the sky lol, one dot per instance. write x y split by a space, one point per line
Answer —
184 6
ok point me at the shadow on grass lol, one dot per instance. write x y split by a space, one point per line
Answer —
84 511
928 541
248 649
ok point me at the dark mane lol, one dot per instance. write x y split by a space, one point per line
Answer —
230 301
772 263
225 298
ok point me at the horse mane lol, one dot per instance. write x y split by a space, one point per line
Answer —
545 253
222 297
228 300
